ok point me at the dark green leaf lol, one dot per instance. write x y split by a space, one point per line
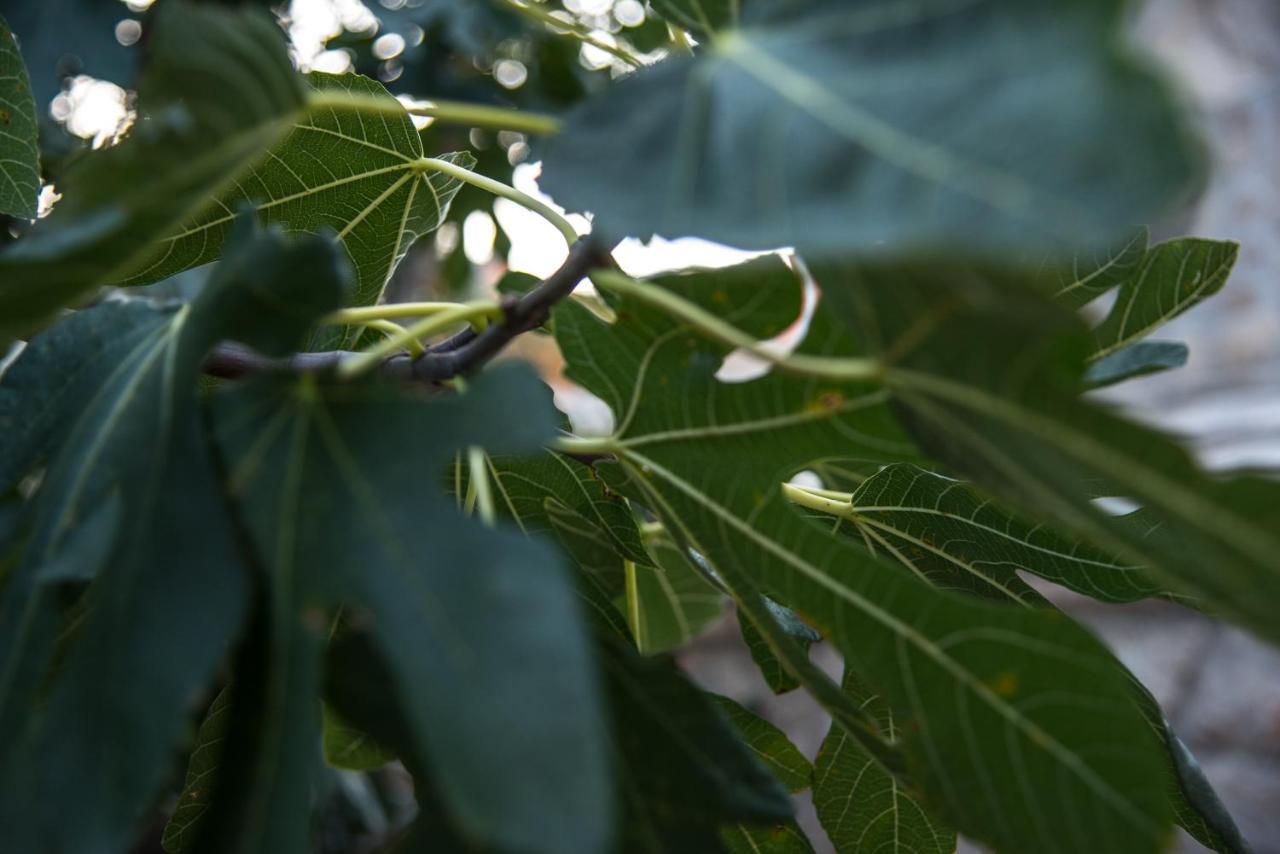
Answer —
1017 725
337 485
770 744
19 149
775 675
202 768
1009 416
791 768
549 494
780 839
41 394
349 747
969 526
785 623
217 92
846 127
684 770
269 766
1199 809
360 687
862 808
119 704
516 284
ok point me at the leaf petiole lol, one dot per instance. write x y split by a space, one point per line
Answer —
573 30
506 191
584 445
388 311
393 330
823 500
478 477
450 112
844 370
633 603
371 357
485 116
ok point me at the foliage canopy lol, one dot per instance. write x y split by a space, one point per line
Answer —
262 523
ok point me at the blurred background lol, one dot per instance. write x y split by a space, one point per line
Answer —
1219 687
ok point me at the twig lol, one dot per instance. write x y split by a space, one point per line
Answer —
459 355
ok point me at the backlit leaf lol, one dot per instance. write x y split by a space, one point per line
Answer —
19 152
340 170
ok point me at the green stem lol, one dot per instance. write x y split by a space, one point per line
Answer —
452 112
457 479
633 603
580 445
388 311
485 116
393 330
843 370
498 188
535 12
371 357
478 474
680 39
812 500
833 494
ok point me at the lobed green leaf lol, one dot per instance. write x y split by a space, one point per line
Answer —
116 705
1015 724
336 484
838 127
352 167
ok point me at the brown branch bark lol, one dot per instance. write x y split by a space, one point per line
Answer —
458 355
